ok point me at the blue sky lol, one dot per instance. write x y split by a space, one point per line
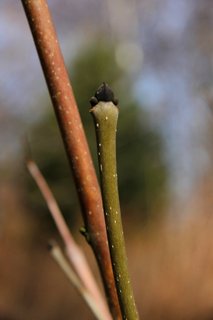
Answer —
169 70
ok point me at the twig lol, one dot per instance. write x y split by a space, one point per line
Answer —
105 115
58 256
74 253
76 146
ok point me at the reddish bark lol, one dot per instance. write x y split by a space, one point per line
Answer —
75 142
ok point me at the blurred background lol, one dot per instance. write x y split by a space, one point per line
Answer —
158 58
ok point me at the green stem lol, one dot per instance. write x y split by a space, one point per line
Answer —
105 115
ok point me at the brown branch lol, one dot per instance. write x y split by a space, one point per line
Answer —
75 254
76 146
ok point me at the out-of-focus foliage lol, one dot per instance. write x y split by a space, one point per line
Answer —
142 174
47 150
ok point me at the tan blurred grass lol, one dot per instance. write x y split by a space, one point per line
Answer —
171 263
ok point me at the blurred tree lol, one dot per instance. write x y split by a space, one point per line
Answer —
141 168
142 174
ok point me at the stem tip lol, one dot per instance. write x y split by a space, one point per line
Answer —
104 93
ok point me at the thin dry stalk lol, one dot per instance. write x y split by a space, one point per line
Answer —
76 146
59 257
75 254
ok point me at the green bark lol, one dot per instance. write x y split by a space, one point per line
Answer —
105 116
